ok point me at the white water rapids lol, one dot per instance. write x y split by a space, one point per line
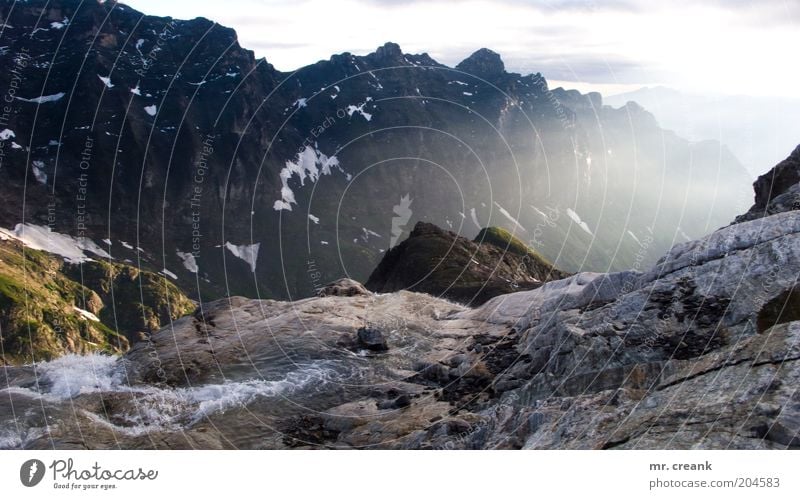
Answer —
151 408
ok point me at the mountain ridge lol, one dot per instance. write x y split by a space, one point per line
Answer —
189 129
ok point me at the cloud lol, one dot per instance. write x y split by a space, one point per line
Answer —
572 5
691 44
600 68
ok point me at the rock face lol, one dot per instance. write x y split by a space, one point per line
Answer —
777 190
701 351
228 172
441 263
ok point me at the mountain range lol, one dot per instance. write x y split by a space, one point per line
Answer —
167 146
758 129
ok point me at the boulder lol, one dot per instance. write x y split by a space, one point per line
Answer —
343 287
372 339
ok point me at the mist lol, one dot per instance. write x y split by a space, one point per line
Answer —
759 131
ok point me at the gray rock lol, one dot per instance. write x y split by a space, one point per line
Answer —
372 339
344 287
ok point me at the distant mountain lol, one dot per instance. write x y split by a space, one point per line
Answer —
758 130
171 147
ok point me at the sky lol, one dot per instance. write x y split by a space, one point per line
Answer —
722 47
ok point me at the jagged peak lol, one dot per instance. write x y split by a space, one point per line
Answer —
389 50
483 62
388 54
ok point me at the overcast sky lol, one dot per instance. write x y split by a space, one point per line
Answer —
710 46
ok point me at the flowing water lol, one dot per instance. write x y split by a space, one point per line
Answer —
42 403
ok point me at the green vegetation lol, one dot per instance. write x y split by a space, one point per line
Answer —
136 301
503 239
39 294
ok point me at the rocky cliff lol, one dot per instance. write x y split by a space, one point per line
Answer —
777 190
699 351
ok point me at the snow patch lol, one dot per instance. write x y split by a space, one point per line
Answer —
169 274
308 164
577 219
38 171
7 134
151 110
540 212
44 98
106 81
86 314
246 252
351 109
72 249
60 25
313 218
474 215
189 261
506 214
366 233
402 212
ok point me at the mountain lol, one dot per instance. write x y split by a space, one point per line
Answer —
699 351
758 130
443 264
200 162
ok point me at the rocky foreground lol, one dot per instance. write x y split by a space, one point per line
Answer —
701 351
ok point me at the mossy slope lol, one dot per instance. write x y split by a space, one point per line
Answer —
40 295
